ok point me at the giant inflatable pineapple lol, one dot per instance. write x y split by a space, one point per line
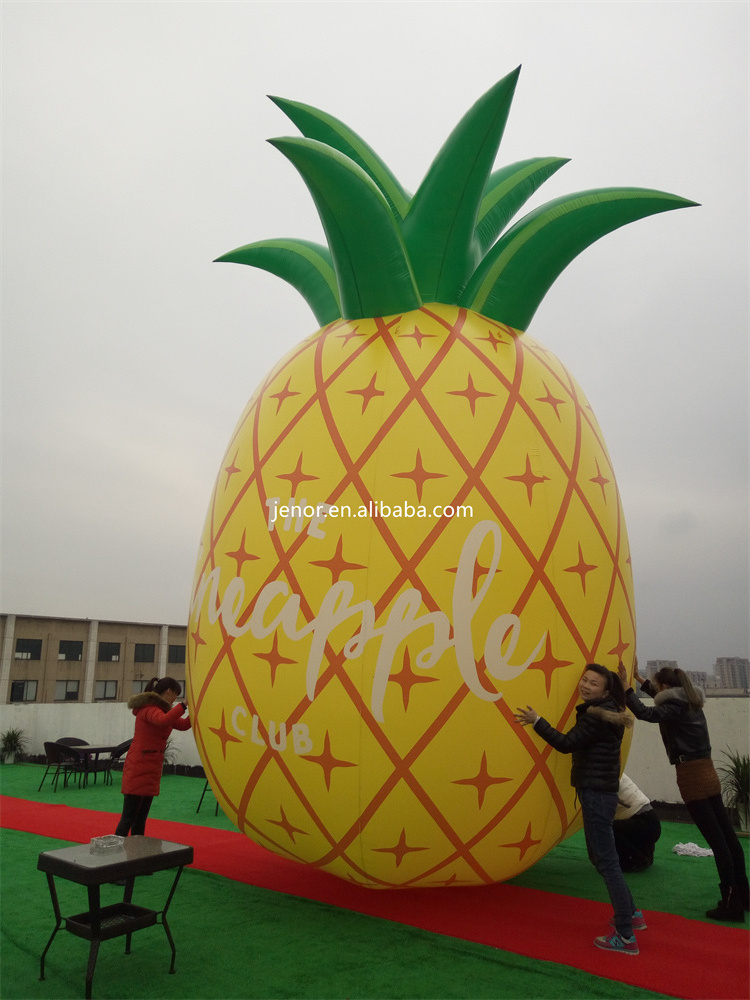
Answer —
416 525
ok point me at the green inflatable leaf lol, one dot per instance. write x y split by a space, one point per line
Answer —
316 124
305 265
439 227
388 252
372 268
507 190
516 274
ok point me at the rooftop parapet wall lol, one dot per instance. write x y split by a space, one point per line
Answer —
728 724
110 724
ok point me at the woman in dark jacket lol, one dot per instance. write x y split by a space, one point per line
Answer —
156 716
594 741
678 709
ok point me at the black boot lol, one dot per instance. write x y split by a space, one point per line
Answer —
729 907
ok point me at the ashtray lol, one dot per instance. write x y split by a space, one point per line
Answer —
106 844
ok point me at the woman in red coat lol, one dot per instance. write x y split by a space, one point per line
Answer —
156 716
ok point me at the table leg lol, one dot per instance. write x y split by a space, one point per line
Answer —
58 922
127 897
172 890
95 909
93 952
165 925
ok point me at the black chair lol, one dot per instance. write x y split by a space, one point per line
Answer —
121 749
114 758
72 741
205 789
103 765
65 761
94 767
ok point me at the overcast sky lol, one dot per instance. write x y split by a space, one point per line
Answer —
134 154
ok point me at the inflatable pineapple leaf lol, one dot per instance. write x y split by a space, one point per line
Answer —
396 252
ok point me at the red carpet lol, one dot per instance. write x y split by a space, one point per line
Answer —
680 957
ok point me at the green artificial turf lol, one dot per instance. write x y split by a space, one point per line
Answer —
692 882
238 941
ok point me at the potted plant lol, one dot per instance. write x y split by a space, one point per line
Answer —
12 742
171 753
735 781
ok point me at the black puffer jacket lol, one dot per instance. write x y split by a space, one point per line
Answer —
684 730
594 742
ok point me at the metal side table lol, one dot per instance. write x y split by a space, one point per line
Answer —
137 856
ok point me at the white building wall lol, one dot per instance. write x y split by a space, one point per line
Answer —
99 723
110 724
728 725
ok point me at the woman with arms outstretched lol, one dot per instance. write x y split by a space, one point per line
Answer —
594 741
678 710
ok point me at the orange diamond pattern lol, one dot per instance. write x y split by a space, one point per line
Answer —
437 407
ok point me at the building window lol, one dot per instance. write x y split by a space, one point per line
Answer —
109 652
23 691
139 687
176 654
70 649
28 649
145 652
66 690
105 690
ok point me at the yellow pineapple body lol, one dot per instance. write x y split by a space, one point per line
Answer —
353 678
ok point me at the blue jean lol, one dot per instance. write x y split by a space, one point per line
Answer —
598 815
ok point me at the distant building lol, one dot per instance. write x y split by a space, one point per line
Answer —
732 672
700 678
653 665
730 679
78 659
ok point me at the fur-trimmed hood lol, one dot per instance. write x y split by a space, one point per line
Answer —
148 699
594 741
677 694
155 719
613 715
